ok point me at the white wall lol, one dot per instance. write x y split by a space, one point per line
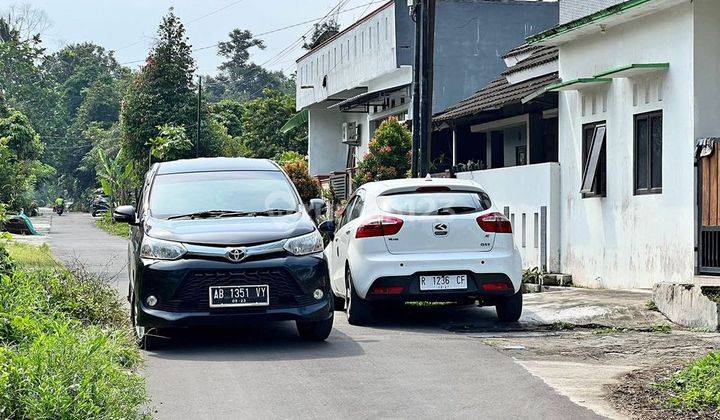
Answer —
352 68
525 189
707 68
623 240
326 152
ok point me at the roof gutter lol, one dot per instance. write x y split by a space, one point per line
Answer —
584 21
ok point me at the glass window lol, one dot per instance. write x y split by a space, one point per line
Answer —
648 153
357 208
245 191
593 154
434 203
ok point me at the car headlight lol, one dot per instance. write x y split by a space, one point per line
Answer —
305 244
158 249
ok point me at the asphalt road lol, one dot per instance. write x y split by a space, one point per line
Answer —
408 365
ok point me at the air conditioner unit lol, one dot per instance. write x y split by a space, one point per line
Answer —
351 133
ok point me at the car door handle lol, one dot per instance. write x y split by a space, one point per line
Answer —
347 232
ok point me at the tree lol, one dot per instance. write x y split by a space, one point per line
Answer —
322 32
20 166
163 94
297 170
228 112
240 79
171 143
388 156
262 121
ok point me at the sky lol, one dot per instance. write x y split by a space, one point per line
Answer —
128 26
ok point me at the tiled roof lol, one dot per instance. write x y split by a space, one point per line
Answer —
520 49
539 57
496 95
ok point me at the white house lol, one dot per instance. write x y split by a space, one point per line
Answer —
639 100
361 76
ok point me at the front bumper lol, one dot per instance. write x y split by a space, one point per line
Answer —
181 288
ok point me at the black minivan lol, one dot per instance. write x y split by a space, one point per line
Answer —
215 241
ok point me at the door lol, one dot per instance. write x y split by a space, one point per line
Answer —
343 234
708 242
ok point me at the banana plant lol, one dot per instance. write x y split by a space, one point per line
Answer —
115 177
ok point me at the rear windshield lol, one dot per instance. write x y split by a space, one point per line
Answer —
433 203
242 191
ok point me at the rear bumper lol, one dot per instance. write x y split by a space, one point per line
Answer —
407 289
182 290
368 268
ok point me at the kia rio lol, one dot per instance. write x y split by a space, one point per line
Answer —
216 241
422 240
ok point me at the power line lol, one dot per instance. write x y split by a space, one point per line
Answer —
283 28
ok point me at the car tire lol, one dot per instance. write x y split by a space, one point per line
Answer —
145 339
359 311
315 330
510 309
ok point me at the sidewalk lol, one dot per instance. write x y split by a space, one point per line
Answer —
583 341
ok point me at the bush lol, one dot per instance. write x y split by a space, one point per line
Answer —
65 348
108 224
697 387
307 186
388 156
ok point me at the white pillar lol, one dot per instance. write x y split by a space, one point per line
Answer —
454 147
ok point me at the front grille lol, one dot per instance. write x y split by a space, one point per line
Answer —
192 293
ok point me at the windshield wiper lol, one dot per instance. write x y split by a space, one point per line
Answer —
231 213
274 212
210 213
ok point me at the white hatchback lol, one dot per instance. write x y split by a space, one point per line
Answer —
422 240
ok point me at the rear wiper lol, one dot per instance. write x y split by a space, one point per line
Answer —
211 213
455 210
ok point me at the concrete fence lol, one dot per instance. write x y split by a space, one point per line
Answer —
530 197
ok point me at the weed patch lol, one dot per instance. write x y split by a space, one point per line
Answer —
106 223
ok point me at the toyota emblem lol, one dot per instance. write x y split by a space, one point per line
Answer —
235 254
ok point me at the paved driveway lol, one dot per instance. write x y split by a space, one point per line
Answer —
408 365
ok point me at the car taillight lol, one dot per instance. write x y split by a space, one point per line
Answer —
494 223
379 226
495 287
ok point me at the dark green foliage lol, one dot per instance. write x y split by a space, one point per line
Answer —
307 186
228 112
697 387
65 348
163 91
262 121
240 79
388 156
322 32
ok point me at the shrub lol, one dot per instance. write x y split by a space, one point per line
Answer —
108 224
697 387
65 349
388 156
307 186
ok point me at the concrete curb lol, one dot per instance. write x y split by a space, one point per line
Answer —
687 305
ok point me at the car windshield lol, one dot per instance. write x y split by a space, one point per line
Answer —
222 192
433 203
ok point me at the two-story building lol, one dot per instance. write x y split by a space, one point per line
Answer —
363 75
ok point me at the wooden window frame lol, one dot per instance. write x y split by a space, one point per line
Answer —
599 190
649 189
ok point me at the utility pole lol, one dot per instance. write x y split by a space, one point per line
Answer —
197 122
427 41
415 12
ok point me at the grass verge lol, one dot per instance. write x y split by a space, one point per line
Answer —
66 350
106 223
696 388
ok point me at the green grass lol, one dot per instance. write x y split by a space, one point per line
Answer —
107 224
31 257
66 349
697 386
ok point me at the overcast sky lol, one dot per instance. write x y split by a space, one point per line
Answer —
127 26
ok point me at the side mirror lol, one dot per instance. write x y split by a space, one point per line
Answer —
317 208
327 227
125 214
